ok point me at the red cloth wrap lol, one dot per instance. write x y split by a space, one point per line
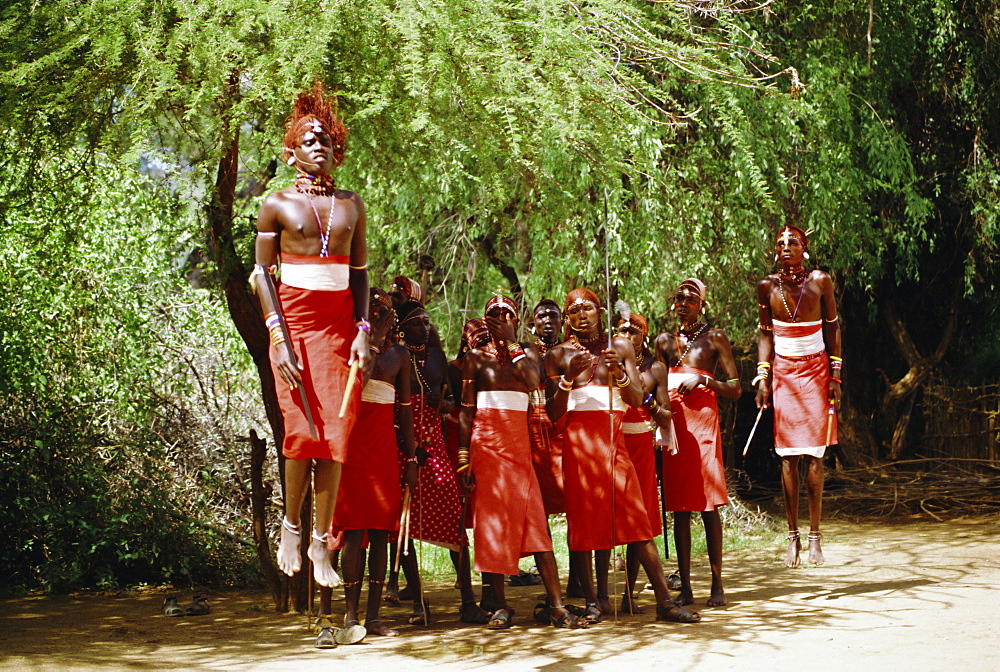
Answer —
801 388
589 460
546 457
641 451
694 479
370 495
321 327
435 509
509 519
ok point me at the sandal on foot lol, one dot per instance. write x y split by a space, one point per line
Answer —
198 607
326 638
675 613
501 619
591 614
351 633
419 616
566 620
470 612
541 614
170 606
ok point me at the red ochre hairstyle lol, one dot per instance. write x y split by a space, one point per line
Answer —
580 294
310 106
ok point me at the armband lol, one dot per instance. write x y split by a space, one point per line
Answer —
624 381
565 385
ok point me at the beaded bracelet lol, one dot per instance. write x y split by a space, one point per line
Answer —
565 385
836 380
364 325
624 381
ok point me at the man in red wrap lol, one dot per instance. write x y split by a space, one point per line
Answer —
694 478
494 458
319 233
800 347
639 426
590 384
369 501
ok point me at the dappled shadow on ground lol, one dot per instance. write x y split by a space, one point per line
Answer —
874 572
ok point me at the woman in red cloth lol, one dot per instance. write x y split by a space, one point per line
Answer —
495 463
591 383
693 477
369 502
436 515
319 231
639 427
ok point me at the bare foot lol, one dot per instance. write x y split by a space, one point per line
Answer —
685 598
604 604
377 627
815 552
629 606
794 546
289 560
391 596
718 598
322 569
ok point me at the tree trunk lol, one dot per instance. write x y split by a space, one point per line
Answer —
897 402
242 306
259 494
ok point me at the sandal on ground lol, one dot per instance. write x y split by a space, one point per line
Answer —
470 612
351 633
419 616
170 606
675 613
501 619
326 639
591 614
674 582
198 607
564 620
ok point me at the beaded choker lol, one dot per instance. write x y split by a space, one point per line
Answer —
588 345
315 185
795 276
690 340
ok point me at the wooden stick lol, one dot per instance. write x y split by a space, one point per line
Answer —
404 523
352 378
830 413
754 429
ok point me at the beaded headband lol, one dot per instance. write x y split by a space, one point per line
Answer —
502 302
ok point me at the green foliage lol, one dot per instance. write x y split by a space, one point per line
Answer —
99 368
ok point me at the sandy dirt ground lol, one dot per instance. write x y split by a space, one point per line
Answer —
902 596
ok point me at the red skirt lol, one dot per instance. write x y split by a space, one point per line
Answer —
641 451
321 327
801 391
546 457
370 495
509 519
694 478
604 506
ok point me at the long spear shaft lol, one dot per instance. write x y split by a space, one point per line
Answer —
611 390
753 430
273 295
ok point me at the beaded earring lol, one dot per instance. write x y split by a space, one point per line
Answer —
290 160
775 257
805 255
673 307
401 337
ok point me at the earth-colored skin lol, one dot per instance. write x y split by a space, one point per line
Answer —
813 300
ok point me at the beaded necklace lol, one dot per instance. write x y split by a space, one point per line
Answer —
579 345
690 340
781 290
323 186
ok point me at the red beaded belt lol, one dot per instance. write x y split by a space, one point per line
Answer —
801 359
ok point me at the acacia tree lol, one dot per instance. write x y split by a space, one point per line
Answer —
471 121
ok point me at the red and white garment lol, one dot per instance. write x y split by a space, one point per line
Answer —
800 390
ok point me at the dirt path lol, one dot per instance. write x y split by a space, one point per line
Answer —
916 596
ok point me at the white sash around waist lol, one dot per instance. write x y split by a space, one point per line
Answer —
506 400
537 397
637 427
322 277
798 346
594 398
378 392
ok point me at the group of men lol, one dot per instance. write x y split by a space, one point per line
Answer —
510 432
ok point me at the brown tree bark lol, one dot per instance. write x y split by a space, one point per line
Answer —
897 402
